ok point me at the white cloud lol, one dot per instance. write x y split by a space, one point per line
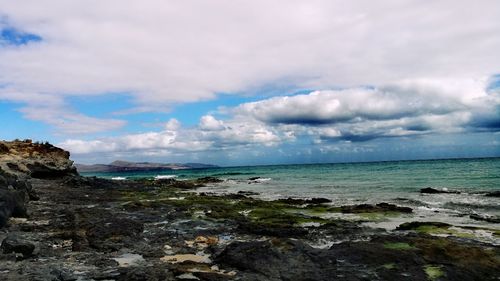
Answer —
209 123
52 110
165 52
405 99
399 110
172 125
424 63
175 139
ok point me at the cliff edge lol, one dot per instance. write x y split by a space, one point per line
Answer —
19 162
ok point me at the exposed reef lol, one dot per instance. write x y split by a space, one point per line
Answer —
84 228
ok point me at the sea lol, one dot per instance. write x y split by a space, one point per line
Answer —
397 182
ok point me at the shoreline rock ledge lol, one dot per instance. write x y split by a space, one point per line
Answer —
19 162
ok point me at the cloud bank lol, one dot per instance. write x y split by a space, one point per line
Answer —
406 109
366 71
168 52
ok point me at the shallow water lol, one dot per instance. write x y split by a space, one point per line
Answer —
398 182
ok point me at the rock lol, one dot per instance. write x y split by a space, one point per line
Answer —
381 207
149 273
186 258
62 275
493 194
128 259
110 233
89 182
37 160
11 204
205 180
247 193
300 201
3 149
430 190
387 257
416 224
491 219
278 260
12 244
235 196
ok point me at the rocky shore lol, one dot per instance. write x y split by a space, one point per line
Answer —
57 225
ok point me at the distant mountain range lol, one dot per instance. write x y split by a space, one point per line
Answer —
124 166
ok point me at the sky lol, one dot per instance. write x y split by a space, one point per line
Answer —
233 82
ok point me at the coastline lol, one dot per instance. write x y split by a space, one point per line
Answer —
87 228
94 229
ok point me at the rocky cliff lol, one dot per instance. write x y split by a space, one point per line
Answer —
37 160
19 162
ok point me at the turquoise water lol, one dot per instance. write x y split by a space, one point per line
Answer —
397 182
406 176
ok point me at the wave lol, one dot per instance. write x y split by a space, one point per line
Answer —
163 177
259 180
470 205
233 174
118 178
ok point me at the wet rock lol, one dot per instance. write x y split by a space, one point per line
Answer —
62 275
111 233
381 207
486 218
493 194
150 273
300 201
276 230
235 196
278 260
89 182
105 262
430 190
247 193
416 224
12 244
206 180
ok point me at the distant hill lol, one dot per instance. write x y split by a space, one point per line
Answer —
125 166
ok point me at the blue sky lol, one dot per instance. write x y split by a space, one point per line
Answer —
248 84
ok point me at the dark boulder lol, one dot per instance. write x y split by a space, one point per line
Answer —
11 205
248 193
430 190
300 201
381 207
278 260
12 244
493 193
416 224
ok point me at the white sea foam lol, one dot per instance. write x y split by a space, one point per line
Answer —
162 177
260 180
118 178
